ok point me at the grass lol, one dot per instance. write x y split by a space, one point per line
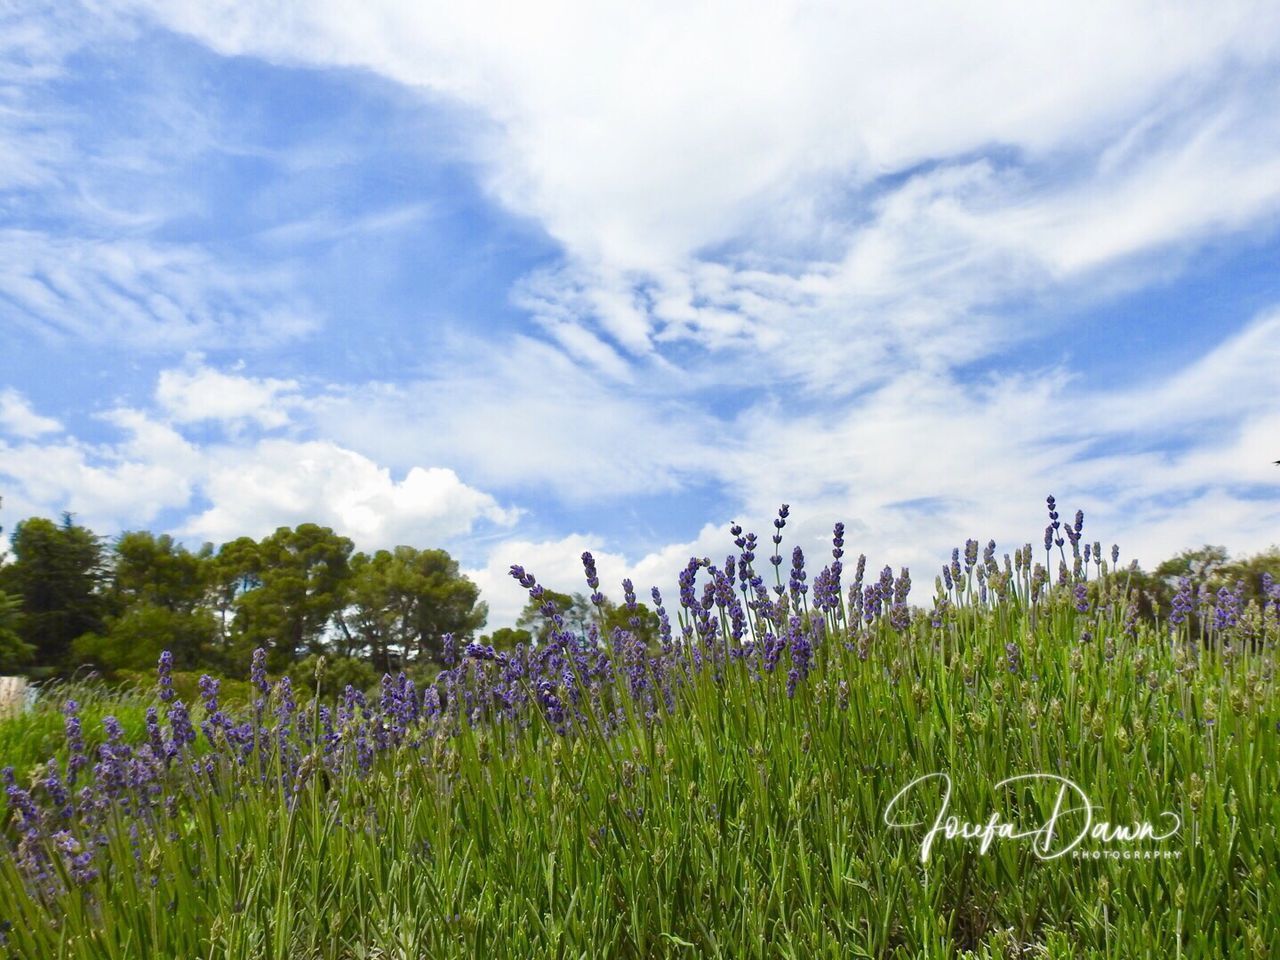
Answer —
30 738
33 736
743 823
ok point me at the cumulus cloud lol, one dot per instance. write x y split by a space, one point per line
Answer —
203 393
249 485
283 483
113 486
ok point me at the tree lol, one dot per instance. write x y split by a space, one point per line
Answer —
159 571
505 638
403 602
645 625
56 574
1154 591
235 570
302 577
1250 571
336 675
159 591
15 653
1202 565
135 638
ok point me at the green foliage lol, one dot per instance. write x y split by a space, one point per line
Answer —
575 609
236 570
301 592
641 622
56 573
302 578
1250 571
505 638
32 737
159 591
186 687
403 602
580 614
15 653
1204 563
334 676
1208 565
135 639
158 571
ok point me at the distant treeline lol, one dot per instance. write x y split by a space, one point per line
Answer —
71 600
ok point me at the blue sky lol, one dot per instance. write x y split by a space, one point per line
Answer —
523 282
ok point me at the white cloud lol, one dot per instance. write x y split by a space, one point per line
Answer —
283 482
643 138
826 207
825 195
108 486
917 465
35 39
203 393
924 462
251 484
19 420
633 130
85 196
526 416
914 463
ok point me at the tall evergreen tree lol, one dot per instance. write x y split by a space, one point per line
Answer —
56 573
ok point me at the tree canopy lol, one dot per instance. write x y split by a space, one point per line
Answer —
68 598
403 602
56 573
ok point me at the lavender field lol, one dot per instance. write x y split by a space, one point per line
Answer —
380 381
768 779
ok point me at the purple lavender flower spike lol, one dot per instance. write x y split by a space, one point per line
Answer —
1183 603
75 741
797 585
164 676
593 578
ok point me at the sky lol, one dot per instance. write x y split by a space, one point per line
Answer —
523 280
